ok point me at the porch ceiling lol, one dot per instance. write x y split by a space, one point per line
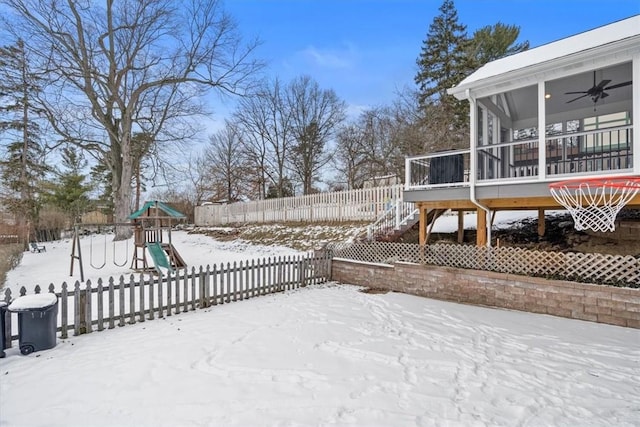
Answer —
522 102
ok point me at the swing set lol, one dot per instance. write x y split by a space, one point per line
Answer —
152 233
97 262
104 258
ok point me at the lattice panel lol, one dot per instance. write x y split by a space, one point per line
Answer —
604 268
383 252
597 268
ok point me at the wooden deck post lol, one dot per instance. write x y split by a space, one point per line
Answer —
481 226
541 223
460 226
423 224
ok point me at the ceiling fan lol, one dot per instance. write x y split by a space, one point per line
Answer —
597 91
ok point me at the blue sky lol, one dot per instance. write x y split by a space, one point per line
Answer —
365 50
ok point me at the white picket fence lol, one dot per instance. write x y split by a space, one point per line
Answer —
365 204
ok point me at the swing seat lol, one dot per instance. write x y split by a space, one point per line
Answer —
36 248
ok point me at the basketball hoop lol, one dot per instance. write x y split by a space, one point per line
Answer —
594 203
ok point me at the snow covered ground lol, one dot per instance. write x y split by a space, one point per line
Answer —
320 356
54 265
331 355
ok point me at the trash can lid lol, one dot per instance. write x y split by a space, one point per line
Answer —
33 302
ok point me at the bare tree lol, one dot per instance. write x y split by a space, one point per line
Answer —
255 151
379 147
349 157
128 66
377 143
226 165
315 116
265 124
195 187
407 116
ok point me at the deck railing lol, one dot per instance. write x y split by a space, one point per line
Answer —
601 151
444 169
88 307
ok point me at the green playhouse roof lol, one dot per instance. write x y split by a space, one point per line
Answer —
169 211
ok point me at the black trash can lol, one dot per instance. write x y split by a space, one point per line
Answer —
37 321
3 333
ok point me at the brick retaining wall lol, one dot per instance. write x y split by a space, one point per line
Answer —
596 303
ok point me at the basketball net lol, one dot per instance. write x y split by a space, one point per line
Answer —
594 204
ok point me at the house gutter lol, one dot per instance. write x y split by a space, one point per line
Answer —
473 154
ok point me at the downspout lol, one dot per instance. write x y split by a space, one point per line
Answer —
473 160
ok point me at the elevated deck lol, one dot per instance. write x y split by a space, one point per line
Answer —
517 174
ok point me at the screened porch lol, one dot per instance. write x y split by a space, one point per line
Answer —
588 123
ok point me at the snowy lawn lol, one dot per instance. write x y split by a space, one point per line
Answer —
331 355
318 356
53 266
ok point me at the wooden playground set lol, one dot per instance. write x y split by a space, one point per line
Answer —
153 248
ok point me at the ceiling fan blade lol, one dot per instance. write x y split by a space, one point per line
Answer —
604 95
573 93
578 98
602 84
618 85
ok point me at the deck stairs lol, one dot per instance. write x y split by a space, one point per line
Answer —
397 220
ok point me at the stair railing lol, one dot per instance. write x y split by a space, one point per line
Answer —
407 212
393 218
385 221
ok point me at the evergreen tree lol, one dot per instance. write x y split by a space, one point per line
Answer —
101 181
69 192
446 58
443 62
286 190
494 42
23 165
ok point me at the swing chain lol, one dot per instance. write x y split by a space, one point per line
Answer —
104 259
126 256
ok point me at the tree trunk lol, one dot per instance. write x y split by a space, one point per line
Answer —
138 185
122 191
